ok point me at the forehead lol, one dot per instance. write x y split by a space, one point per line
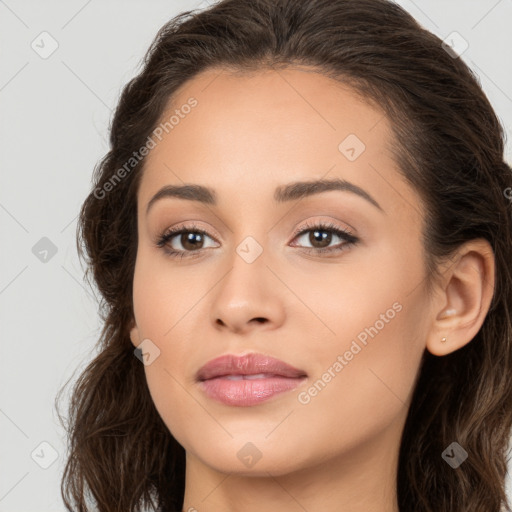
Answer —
277 107
255 131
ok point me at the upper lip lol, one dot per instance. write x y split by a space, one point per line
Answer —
248 364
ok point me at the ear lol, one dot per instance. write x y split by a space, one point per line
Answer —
134 334
464 298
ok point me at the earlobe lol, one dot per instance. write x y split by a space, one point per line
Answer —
461 308
134 334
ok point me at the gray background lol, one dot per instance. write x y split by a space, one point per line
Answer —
54 126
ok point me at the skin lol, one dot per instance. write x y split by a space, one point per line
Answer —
248 135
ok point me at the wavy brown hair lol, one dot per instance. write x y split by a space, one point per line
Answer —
449 145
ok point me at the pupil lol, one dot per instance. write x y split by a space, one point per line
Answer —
323 238
189 239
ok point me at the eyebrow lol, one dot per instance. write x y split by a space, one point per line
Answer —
284 193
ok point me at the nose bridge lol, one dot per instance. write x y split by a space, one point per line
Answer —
250 230
257 241
248 263
251 249
247 292
251 233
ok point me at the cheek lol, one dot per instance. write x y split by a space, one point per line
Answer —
365 369
363 383
161 297
374 299
164 303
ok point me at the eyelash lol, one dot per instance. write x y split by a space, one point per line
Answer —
348 237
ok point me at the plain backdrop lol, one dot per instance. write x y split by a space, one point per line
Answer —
55 112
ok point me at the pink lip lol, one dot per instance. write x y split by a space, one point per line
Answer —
217 378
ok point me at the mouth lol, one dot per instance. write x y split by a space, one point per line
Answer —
247 380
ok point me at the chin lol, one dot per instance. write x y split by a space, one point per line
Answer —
275 464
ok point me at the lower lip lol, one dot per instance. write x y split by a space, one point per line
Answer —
248 392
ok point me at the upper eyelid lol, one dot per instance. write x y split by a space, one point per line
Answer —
300 231
325 225
348 239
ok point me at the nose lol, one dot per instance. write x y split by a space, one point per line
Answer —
249 296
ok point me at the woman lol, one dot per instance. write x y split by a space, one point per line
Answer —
249 360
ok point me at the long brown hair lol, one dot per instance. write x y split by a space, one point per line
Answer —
449 146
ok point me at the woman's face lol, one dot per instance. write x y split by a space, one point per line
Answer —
353 320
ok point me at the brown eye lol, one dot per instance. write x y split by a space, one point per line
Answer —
190 238
321 236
